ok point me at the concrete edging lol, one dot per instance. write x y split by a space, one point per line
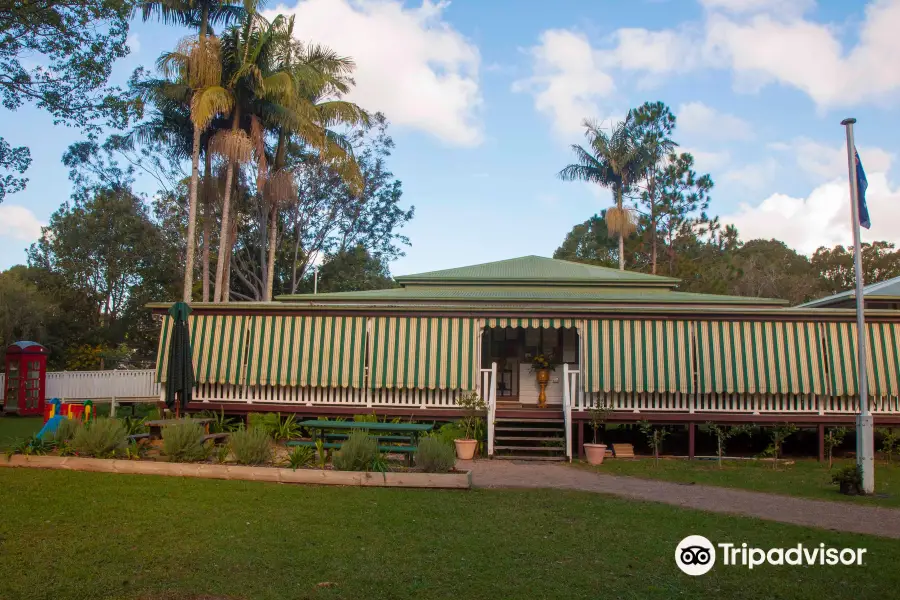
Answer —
243 473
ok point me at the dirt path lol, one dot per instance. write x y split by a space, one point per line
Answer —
839 516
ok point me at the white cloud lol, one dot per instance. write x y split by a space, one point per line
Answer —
706 161
824 162
134 42
809 56
761 42
698 119
568 80
823 217
19 223
753 176
411 64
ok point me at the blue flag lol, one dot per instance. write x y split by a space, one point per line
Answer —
861 184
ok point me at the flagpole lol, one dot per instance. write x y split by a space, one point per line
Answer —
865 438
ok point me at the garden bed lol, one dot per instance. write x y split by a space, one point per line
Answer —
453 480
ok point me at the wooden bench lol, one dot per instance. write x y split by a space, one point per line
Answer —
381 438
136 437
217 438
337 446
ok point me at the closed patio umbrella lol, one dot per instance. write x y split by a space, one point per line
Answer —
180 370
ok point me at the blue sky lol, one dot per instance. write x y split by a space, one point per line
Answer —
485 98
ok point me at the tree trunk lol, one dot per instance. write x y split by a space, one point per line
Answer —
270 263
621 236
224 237
224 259
226 283
192 220
273 222
207 220
651 192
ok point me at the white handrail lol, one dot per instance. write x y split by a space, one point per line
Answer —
491 398
567 409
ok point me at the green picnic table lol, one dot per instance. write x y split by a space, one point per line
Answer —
408 432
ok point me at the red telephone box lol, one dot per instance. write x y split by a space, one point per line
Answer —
26 375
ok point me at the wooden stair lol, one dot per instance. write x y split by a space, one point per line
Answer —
529 438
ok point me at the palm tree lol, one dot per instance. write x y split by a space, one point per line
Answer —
200 67
614 161
246 57
307 112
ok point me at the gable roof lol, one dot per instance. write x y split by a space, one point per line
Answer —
536 271
887 289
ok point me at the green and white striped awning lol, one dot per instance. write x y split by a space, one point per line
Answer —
637 356
526 323
306 351
423 353
760 358
881 364
217 343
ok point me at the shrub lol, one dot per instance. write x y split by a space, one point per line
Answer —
275 427
357 453
251 446
100 438
300 456
450 431
435 455
66 430
183 442
849 479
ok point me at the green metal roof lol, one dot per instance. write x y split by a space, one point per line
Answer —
883 290
537 270
511 295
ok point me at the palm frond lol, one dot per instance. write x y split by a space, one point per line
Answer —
234 145
209 102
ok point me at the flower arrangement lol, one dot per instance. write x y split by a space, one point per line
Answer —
543 361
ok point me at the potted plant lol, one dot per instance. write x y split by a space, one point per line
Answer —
541 365
474 406
599 414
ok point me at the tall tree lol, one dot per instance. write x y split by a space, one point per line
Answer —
880 261
198 64
589 242
684 199
652 124
613 160
59 54
353 269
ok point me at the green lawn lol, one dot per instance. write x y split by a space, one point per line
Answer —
807 478
14 428
89 535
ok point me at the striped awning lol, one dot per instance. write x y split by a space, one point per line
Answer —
526 323
760 357
217 343
306 351
637 356
423 353
881 364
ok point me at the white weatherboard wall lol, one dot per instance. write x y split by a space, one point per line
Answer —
100 385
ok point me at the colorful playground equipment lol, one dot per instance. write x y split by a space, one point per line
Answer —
56 411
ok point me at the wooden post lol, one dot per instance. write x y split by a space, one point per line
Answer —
580 439
112 407
821 442
692 429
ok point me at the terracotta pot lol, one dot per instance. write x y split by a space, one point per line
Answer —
465 449
595 453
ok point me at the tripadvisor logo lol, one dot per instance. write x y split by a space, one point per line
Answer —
696 555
